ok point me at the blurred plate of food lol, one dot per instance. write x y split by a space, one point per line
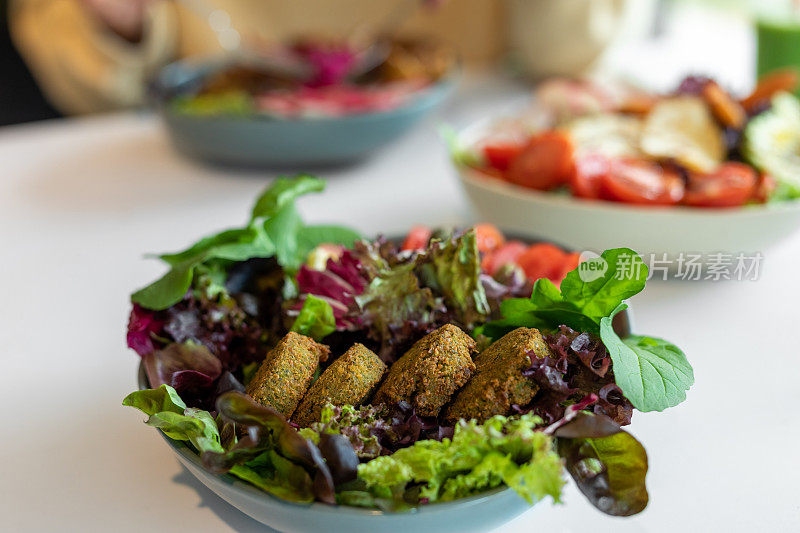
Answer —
591 164
241 114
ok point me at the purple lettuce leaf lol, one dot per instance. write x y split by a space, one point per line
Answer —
580 366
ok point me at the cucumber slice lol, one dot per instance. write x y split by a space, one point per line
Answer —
772 144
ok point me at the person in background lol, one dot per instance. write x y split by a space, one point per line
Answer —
97 55
21 99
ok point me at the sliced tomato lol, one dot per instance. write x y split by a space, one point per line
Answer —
764 189
571 261
586 181
543 260
640 181
544 163
417 238
731 185
507 253
499 155
489 237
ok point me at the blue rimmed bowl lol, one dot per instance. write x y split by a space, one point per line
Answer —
260 140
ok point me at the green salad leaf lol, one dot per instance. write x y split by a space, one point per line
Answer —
451 267
479 457
772 144
268 469
316 318
653 373
275 229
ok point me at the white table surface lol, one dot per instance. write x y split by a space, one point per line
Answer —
82 200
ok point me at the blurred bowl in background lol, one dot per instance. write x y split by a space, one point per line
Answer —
259 140
596 225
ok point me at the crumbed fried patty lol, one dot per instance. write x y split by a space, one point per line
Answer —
430 372
283 377
348 381
498 382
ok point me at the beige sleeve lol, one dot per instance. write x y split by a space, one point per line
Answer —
81 66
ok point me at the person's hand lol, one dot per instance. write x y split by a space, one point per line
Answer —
123 17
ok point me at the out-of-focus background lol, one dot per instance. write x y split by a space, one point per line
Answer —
66 57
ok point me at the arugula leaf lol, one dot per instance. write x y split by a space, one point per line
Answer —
652 373
316 318
283 192
275 229
625 275
167 290
309 237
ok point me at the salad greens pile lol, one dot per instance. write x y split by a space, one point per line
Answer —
652 373
203 328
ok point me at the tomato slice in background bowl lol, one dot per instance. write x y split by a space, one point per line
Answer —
545 163
500 155
731 185
641 181
590 171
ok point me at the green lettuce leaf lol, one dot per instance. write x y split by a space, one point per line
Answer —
479 457
652 373
316 318
267 470
451 267
275 230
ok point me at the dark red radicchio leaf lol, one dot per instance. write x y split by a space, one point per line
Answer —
339 284
191 369
143 324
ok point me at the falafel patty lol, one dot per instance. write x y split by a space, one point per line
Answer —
498 382
287 371
430 372
348 381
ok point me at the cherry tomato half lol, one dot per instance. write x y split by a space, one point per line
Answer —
507 253
543 260
764 189
499 156
639 181
731 185
417 238
590 170
489 237
544 163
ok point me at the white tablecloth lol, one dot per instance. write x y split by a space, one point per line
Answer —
82 200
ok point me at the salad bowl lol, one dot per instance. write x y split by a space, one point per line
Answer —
427 435
584 224
477 513
259 140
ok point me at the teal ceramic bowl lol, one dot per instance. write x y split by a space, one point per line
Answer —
263 141
482 512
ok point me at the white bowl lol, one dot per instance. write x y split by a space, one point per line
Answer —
596 225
